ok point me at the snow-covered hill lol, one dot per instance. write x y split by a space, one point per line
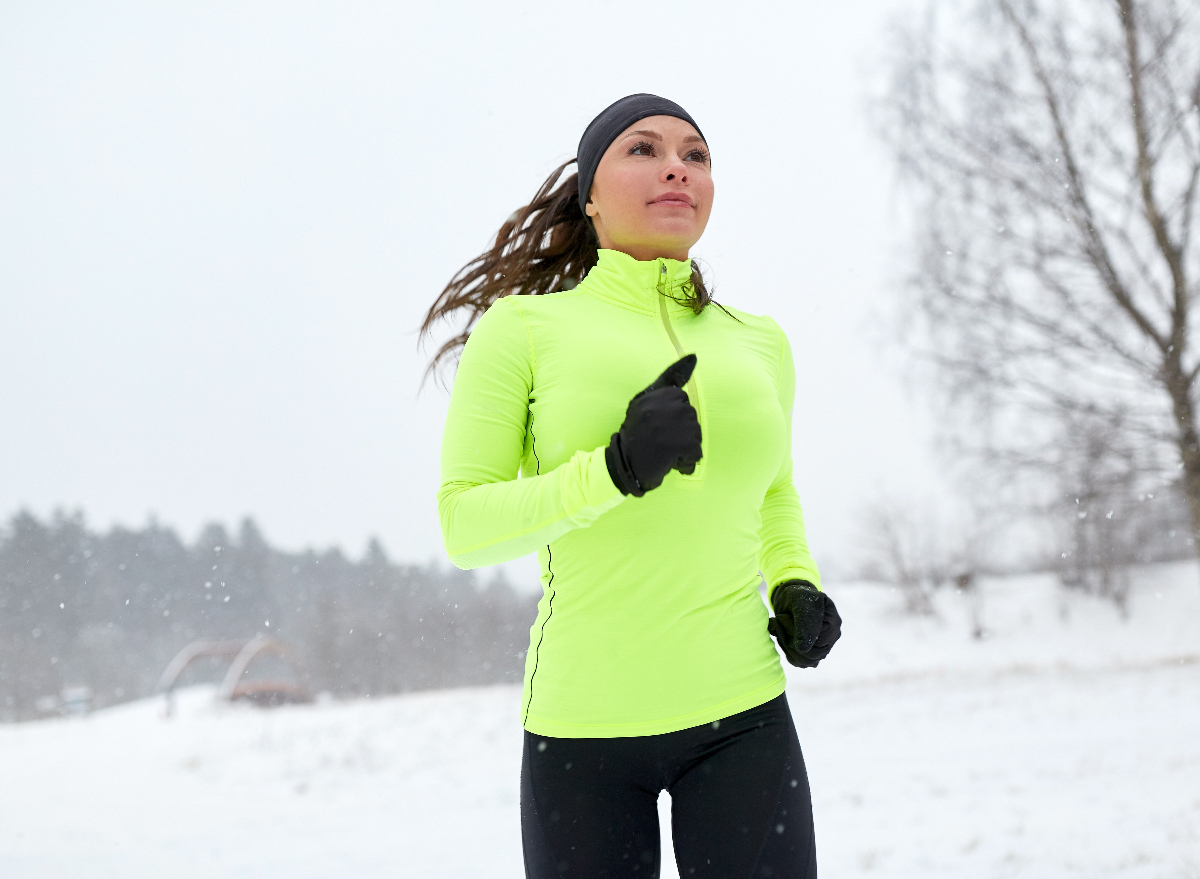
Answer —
1066 743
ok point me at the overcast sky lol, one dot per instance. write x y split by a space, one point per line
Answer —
220 224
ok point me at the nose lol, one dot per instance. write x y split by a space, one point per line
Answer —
675 171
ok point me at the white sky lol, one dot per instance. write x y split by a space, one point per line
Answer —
220 224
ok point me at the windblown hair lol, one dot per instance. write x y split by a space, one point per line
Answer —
546 246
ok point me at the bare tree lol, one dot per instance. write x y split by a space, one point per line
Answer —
900 547
1054 149
1097 471
920 548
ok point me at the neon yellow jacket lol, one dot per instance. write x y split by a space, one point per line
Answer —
650 619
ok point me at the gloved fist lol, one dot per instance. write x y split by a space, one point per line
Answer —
661 433
806 623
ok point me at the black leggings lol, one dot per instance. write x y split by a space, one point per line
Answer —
740 804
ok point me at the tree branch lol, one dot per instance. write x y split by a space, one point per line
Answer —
1095 245
1145 173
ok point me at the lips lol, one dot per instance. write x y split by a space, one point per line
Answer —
675 199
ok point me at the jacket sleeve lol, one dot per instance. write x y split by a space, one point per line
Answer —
784 554
488 514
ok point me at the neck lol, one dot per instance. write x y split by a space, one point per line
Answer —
646 252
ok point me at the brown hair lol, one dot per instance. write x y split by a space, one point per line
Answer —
546 246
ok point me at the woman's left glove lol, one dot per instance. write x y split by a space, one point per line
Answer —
806 623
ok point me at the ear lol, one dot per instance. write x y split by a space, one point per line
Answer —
590 209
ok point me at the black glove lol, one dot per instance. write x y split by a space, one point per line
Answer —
806 623
661 433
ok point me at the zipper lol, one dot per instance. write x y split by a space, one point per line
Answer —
690 388
666 320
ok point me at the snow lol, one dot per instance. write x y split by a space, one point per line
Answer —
1065 743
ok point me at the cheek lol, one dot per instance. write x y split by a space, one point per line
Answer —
704 195
624 199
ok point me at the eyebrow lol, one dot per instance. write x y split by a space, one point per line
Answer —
691 138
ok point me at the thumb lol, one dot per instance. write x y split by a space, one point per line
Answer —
782 626
675 375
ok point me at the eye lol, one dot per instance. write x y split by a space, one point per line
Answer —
697 155
642 148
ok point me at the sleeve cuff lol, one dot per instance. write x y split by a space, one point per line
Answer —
599 488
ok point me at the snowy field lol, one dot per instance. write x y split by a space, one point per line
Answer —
1066 743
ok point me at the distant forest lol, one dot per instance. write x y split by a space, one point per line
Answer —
109 611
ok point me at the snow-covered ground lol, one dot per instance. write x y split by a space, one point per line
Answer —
1066 743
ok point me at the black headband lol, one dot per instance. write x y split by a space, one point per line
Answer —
603 130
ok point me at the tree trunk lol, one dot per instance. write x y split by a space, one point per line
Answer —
1187 440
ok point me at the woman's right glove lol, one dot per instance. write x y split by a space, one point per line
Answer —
806 624
661 433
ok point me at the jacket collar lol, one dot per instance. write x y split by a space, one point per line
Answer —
638 285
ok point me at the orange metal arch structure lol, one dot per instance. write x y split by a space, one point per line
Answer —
269 691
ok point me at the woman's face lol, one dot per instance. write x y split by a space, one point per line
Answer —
652 191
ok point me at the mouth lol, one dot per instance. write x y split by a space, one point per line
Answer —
674 200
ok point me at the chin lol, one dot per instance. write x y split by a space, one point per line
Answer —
671 236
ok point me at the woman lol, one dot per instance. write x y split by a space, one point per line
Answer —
653 510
